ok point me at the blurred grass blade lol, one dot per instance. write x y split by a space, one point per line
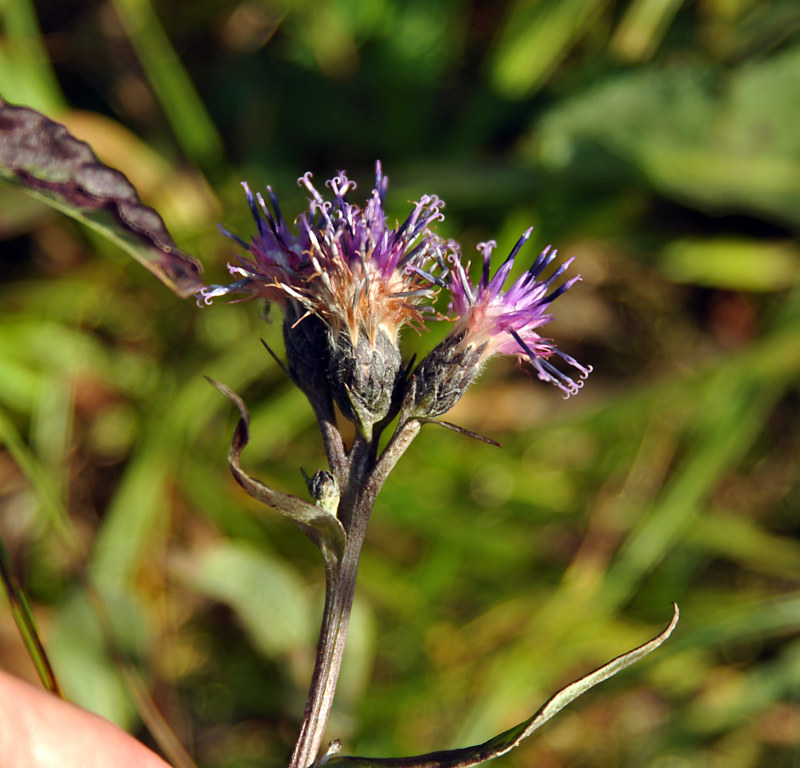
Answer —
138 511
61 522
182 106
151 716
643 28
535 39
43 488
731 418
505 742
26 73
49 163
23 616
153 719
728 534
733 263
717 625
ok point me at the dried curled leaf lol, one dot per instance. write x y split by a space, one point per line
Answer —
320 525
505 742
44 158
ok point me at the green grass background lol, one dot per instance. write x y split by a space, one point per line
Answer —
657 142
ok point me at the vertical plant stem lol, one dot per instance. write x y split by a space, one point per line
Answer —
340 588
365 476
334 447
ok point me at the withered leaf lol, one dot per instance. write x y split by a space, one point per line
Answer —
45 159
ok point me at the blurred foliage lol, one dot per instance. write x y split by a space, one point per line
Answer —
656 142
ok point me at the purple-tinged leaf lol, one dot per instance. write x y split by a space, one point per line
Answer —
44 158
505 742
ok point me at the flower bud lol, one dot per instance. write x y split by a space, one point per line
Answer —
324 490
442 377
364 379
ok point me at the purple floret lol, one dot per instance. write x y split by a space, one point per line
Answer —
507 321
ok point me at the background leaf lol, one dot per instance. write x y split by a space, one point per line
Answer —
268 598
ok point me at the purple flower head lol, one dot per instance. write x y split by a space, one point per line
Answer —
343 262
347 281
506 322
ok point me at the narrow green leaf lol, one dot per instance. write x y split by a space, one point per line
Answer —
26 71
46 494
505 742
23 617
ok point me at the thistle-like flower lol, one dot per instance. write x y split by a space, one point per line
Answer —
347 282
490 321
